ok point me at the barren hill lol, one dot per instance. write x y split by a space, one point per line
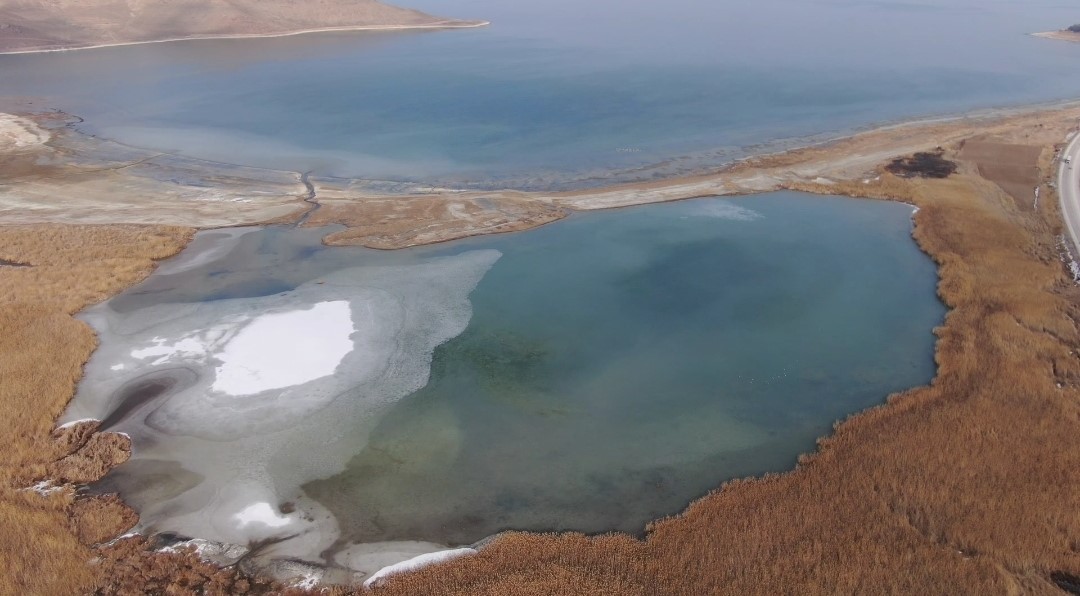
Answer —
28 25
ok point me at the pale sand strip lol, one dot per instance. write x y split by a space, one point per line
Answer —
1063 35
436 25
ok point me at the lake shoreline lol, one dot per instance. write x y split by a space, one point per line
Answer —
932 230
409 214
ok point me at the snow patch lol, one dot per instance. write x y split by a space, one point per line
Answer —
76 422
306 582
416 563
1066 255
45 488
261 513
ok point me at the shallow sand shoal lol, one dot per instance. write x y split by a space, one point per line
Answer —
1063 35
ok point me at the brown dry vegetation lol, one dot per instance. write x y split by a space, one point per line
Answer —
1013 167
398 222
44 538
49 543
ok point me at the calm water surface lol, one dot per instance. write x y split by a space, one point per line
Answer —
618 366
563 93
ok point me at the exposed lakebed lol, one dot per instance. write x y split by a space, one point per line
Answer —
590 375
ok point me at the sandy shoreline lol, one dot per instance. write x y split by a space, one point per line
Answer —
449 24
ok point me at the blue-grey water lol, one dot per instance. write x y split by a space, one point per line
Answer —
563 93
618 366
615 367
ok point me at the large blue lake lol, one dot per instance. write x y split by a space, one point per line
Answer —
563 93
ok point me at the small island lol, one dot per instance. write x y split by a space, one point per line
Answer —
1070 34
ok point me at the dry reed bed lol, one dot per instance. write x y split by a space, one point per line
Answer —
51 543
42 351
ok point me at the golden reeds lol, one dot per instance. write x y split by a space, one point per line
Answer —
42 351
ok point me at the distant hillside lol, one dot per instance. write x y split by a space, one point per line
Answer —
57 24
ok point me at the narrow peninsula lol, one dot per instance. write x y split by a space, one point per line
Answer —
1071 34
39 26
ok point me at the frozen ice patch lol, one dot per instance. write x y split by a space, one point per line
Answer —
162 350
285 349
726 210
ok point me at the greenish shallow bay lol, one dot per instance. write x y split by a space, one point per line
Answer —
619 365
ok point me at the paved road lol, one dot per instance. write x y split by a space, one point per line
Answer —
1069 190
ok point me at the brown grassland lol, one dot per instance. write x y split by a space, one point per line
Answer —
45 541
968 486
